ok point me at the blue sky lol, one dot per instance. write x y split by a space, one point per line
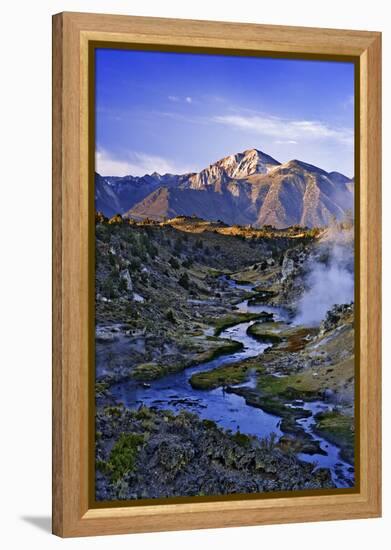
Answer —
171 112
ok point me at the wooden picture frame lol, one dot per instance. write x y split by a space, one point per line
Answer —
72 263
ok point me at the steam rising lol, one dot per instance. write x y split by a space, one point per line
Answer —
329 282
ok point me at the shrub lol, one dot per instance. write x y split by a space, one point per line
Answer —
187 263
122 285
174 263
170 316
144 279
135 264
242 440
123 455
113 411
184 281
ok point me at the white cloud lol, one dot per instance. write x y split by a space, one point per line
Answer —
135 164
285 142
176 99
286 129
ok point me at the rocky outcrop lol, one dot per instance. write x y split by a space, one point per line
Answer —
337 315
127 281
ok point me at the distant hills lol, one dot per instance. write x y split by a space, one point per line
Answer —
245 188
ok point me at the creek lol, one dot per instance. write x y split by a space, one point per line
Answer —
229 410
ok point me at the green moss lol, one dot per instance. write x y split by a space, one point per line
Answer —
288 338
148 371
259 332
228 375
273 385
122 457
287 387
270 404
338 429
222 376
226 321
223 347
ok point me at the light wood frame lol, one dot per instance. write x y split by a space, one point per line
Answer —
72 347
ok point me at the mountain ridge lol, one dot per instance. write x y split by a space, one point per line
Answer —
248 188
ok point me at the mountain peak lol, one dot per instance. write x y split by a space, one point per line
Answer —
253 161
241 165
253 152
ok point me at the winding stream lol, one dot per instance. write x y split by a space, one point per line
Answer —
228 410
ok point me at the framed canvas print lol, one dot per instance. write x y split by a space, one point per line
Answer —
216 230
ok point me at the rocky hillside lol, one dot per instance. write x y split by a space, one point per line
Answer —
186 258
245 188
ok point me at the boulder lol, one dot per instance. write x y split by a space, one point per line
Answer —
125 276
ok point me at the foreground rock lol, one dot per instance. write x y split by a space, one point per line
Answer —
155 454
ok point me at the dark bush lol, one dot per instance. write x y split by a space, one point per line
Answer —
184 281
174 263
